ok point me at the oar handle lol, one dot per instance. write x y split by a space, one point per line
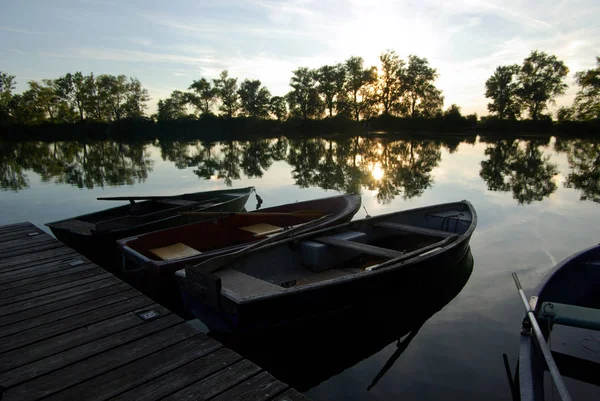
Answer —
556 376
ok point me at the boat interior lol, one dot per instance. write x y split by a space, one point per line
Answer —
568 309
204 236
345 250
197 238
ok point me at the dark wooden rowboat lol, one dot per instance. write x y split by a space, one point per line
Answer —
95 234
343 338
166 251
567 304
332 268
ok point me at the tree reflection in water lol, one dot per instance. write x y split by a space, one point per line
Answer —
521 167
583 157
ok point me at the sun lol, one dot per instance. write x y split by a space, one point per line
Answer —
376 171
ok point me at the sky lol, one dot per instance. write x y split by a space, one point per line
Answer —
168 44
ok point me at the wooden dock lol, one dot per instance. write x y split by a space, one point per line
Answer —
71 331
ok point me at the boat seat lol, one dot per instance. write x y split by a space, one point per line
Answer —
361 248
570 315
175 251
414 229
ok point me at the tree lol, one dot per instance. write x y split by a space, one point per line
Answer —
358 82
113 93
254 99
304 97
278 108
45 97
421 96
540 82
330 80
502 88
391 82
136 99
24 109
173 107
7 85
71 88
587 101
205 95
226 89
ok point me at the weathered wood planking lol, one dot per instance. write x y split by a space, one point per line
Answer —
70 330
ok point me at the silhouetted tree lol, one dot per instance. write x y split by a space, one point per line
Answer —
226 89
502 88
278 108
173 107
330 79
541 80
136 99
7 85
583 157
71 88
391 82
303 99
254 99
205 95
587 101
358 86
421 96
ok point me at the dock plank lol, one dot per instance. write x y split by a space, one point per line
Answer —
48 330
260 387
43 278
54 265
56 296
217 383
55 288
59 282
150 367
67 313
188 374
31 313
20 262
64 378
291 395
87 348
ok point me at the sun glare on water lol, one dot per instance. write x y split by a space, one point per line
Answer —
376 171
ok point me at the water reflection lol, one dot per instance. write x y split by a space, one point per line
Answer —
521 167
583 157
305 355
390 167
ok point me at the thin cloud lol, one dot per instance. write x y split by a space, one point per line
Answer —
17 30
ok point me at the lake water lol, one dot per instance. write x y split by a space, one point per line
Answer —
538 201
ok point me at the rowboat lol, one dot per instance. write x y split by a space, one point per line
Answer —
343 338
566 307
95 234
169 250
276 282
152 259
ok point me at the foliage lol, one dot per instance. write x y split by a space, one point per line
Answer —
391 82
421 98
173 107
303 99
226 89
359 88
330 80
540 81
587 102
204 95
7 85
278 108
254 99
502 88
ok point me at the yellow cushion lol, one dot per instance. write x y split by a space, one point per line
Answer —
175 251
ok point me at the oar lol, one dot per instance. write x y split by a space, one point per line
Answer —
218 262
556 376
308 214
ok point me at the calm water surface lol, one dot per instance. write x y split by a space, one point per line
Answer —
538 201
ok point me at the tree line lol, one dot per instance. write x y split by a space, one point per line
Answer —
532 86
349 90
72 98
